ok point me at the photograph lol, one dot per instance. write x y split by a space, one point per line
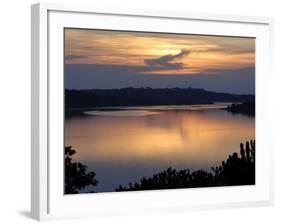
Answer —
157 111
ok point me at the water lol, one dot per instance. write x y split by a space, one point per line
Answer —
124 144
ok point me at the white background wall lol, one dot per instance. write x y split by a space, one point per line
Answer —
15 110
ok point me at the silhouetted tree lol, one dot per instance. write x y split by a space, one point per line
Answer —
76 175
234 171
240 170
247 108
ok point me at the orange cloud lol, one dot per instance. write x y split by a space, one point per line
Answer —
166 53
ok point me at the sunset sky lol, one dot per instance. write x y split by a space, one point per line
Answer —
116 59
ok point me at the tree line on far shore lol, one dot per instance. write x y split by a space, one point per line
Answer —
90 98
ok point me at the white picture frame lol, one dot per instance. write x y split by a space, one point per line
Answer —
48 201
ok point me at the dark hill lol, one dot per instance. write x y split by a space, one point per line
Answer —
147 97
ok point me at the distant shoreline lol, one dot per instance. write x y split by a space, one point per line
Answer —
136 97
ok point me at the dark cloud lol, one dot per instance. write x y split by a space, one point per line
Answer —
74 57
107 76
166 61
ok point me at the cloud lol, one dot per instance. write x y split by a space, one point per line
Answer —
166 61
108 76
227 50
74 57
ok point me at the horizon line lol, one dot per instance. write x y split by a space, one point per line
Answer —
185 88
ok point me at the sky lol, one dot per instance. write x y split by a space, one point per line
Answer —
102 59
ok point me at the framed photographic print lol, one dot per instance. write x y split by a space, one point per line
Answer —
137 111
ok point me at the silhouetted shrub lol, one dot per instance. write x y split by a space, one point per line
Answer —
76 175
234 171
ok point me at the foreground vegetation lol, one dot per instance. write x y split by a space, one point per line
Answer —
235 170
76 176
